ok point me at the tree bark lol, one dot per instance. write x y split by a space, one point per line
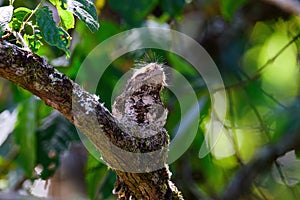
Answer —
34 74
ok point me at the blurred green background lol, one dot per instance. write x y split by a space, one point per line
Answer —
256 48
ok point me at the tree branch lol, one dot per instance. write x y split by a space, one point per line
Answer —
263 161
257 74
290 6
34 74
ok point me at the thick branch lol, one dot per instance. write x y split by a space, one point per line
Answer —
118 149
290 6
242 181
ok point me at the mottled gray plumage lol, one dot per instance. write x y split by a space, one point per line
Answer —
139 108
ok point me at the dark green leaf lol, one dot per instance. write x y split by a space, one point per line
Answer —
55 36
85 10
133 11
172 7
6 13
228 7
297 152
99 180
283 120
94 174
53 138
181 65
20 94
25 137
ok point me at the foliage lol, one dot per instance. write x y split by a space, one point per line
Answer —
39 23
256 50
229 7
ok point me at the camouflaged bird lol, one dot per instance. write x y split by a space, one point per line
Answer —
139 108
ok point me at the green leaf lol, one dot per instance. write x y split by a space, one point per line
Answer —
59 3
181 65
6 13
55 2
98 179
261 32
94 174
33 41
67 18
133 11
53 35
228 7
172 7
54 136
31 34
25 136
19 17
85 10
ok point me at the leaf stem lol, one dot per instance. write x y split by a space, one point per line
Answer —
29 17
257 74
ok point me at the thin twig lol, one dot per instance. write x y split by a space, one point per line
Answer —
31 14
257 74
21 40
263 91
264 130
262 162
232 124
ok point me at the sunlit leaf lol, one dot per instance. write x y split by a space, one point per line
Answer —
250 61
55 2
25 136
19 16
33 41
67 18
52 34
247 141
85 10
31 34
280 77
220 141
260 33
